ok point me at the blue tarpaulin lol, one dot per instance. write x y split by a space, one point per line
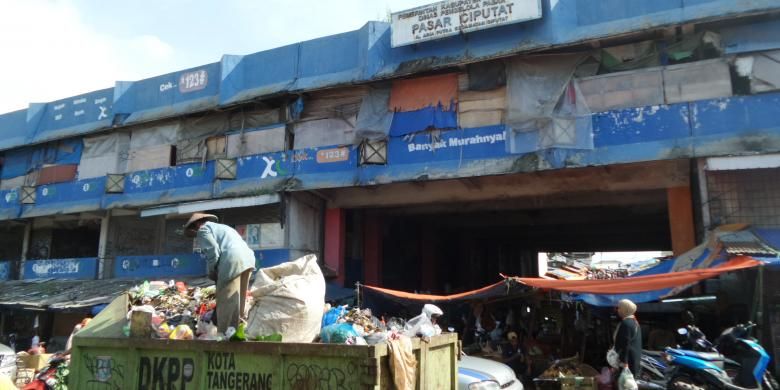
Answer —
19 162
427 118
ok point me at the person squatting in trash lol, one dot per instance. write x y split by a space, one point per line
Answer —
230 262
628 337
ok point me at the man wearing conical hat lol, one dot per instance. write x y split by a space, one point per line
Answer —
230 263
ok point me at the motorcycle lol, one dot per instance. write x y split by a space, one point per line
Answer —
48 378
707 368
654 367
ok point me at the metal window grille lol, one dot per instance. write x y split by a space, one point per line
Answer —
749 196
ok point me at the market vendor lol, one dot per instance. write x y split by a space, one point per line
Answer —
230 262
514 355
628 337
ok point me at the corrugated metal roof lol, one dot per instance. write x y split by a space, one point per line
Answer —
57 294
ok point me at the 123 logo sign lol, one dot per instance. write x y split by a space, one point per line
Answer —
332 155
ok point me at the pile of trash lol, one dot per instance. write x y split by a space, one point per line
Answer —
342 325
568 368
178 312
287 303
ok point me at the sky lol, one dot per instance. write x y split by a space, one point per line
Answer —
52 49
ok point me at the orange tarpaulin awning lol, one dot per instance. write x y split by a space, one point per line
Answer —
496 289
640 284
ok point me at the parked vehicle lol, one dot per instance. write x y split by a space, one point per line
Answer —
476 373
692 370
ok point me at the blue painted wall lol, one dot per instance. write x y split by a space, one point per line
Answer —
5 270
159 266
80 268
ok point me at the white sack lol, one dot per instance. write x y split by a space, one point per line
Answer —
289 300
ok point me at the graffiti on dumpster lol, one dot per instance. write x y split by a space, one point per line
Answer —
106 373
314 377
161 372
221 374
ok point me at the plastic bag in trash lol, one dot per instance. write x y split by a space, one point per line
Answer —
181 332
423 324
332 316
338 333
626 380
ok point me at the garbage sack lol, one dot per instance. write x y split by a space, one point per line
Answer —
423 324
332 316
626 380
338 333
403 364
289 300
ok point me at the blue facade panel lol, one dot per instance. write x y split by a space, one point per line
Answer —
67 198
739 114
265 258
72 116
164 185
168 95
258 174
84 268
13 129
10 205
242 80
327 166
159 266
318 66
463 144
641 124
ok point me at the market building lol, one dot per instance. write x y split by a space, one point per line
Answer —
429 154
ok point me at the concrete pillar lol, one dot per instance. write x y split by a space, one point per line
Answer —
25 247
681 225
335 242
103 245
372 250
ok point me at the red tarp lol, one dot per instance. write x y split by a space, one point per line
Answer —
640 284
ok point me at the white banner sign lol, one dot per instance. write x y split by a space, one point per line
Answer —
452 17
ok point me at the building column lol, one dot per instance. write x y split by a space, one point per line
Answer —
681 224
335 242
103 244
372 250
25 247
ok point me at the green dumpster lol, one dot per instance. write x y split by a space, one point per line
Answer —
103 358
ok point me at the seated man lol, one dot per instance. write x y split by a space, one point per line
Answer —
514 356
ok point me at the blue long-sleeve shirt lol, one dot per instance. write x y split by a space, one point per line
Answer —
224 250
